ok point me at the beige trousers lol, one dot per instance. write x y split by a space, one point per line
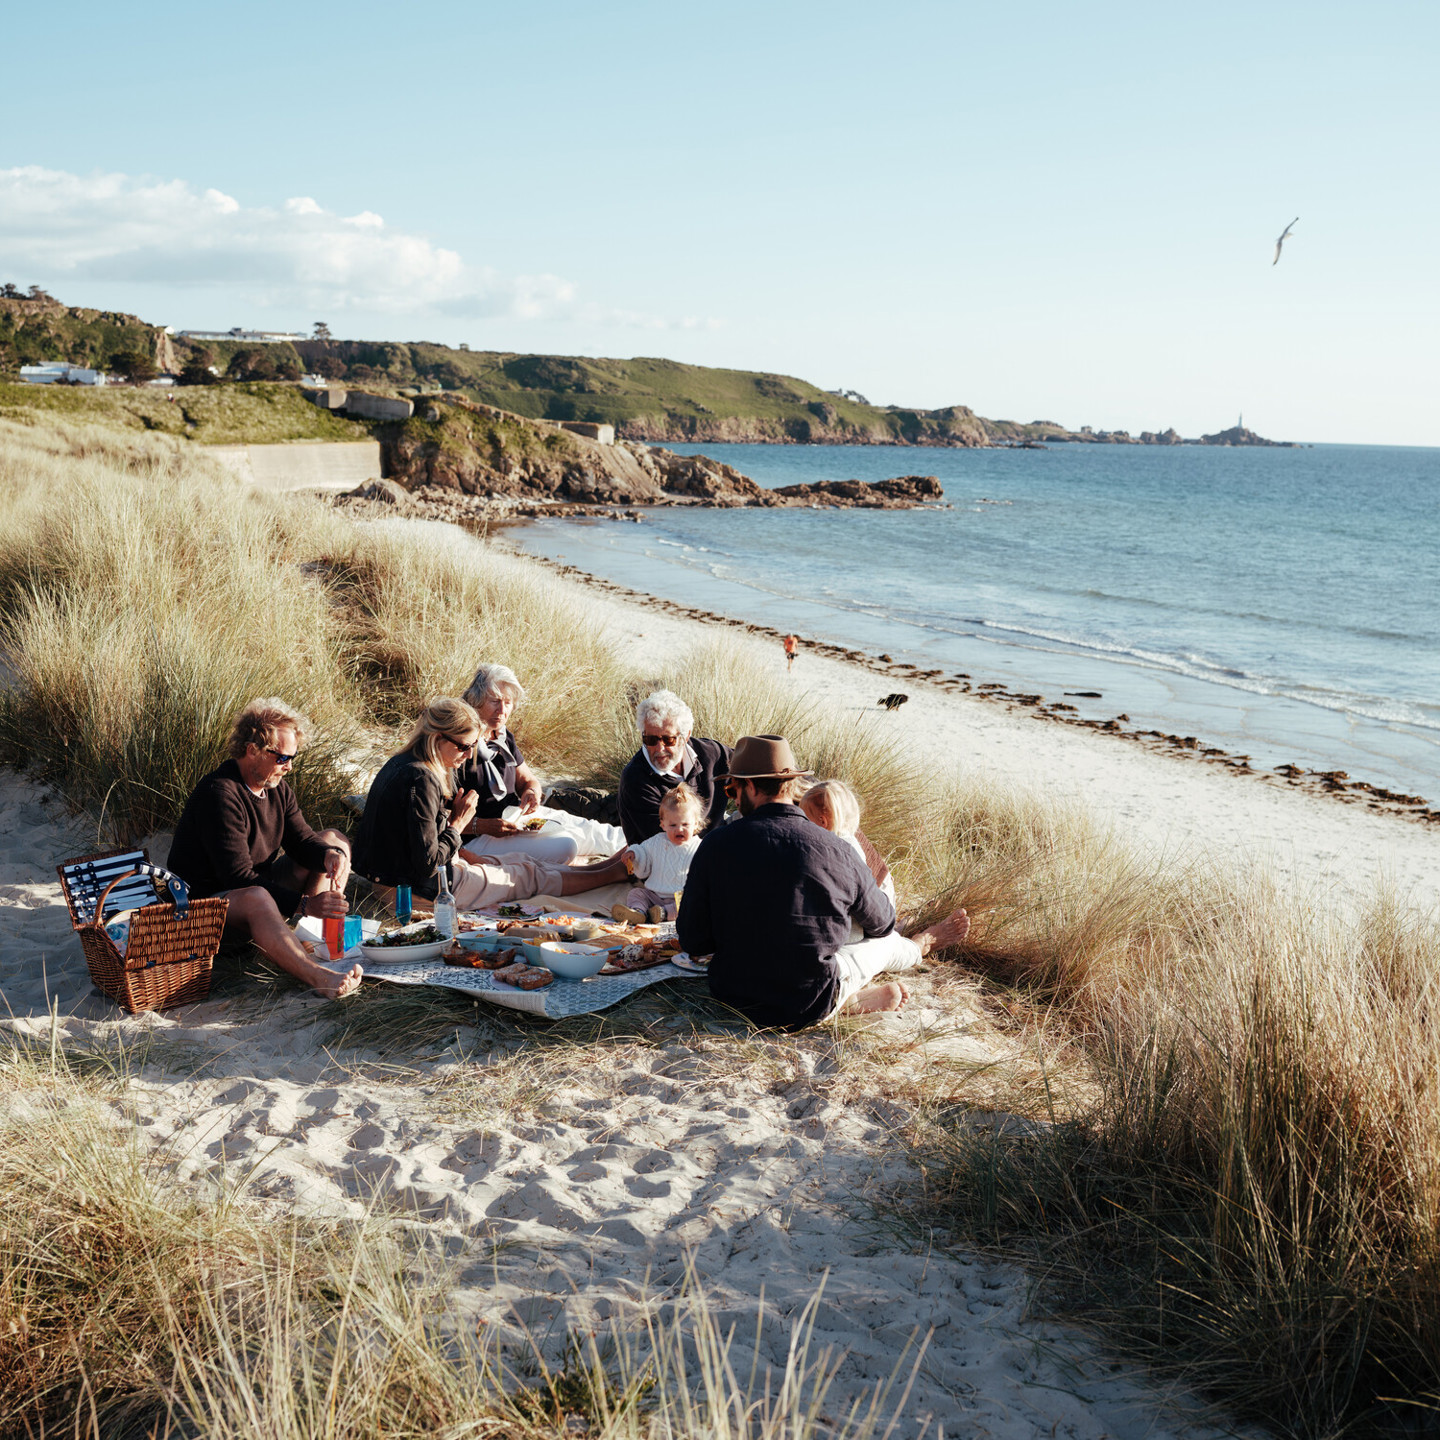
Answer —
490 881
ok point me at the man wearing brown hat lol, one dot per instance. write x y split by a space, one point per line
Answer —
772 896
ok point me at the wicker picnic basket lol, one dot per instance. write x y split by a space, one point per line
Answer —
172 940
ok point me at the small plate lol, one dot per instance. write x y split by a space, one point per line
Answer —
691 967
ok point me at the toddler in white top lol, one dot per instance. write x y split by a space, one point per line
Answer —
663 861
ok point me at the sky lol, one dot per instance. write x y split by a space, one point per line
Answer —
1042 211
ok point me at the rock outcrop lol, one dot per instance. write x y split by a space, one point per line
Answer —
1239 435
484 458
454 444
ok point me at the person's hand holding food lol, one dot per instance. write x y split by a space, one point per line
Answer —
462 809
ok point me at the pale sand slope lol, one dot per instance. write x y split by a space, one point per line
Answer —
1174 805
748 1160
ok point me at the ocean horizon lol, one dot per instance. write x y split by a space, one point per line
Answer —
1277 603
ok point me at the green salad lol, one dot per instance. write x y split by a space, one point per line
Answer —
425 935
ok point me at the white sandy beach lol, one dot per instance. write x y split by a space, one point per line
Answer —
564 1201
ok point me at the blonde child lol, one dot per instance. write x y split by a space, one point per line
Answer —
833 806
663 861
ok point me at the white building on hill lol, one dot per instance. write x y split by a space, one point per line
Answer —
54 372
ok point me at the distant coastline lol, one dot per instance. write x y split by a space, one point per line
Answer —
653 401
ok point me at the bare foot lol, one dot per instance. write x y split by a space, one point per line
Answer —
334 986
892 995
952 930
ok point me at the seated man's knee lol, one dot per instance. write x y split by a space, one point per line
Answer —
251 904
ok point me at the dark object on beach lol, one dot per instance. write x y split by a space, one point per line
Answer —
1086 694
894 701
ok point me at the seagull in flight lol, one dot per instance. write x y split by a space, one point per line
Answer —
1283 238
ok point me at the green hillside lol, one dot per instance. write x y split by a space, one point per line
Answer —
250 413
38 327
653 399
645 398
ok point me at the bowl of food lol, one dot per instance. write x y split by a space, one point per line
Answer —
570 962
407 944
483 942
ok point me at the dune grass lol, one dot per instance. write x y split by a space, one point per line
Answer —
1241 1177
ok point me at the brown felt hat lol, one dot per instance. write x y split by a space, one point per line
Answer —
764 757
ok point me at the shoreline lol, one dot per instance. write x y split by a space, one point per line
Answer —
1334 785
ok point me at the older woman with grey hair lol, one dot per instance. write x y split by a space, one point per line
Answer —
668 754
498 774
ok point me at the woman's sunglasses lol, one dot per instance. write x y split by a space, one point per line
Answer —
467 746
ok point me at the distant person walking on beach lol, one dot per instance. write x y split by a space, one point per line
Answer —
233 829
792 645
772 897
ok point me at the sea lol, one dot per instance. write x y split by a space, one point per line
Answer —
1278 603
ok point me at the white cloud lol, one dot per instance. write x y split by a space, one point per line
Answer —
138 230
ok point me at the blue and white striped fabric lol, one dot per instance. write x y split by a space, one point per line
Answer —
85 883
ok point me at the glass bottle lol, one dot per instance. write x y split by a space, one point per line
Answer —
444 904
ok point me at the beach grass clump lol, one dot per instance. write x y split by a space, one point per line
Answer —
423 606
1253 1200
144 598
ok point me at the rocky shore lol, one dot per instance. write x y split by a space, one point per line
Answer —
458 460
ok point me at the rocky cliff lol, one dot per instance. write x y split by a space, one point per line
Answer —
39 328
453 444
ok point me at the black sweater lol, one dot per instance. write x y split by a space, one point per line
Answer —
771 897
641 789
228 836
405 831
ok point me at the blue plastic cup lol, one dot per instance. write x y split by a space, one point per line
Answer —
402 904
354 933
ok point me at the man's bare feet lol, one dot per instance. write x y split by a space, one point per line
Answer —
333 985
952 930
875 999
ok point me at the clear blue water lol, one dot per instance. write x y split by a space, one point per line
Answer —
1279 603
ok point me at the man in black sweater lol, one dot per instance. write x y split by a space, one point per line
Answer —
773 896
233 830
667 755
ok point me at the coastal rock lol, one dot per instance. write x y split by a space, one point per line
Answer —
386 492
1239 435
477 450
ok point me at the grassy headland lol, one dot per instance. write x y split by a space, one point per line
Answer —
1233 1165
252 413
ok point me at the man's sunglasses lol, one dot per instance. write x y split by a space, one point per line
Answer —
651 741
466 745
281 758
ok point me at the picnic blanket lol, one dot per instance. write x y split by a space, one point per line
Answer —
557 1000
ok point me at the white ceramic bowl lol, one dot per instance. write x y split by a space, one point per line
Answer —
570 962
401 954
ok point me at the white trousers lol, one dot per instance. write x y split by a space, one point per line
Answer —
548 846
482 882
862 961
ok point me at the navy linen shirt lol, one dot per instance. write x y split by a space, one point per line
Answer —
771 897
